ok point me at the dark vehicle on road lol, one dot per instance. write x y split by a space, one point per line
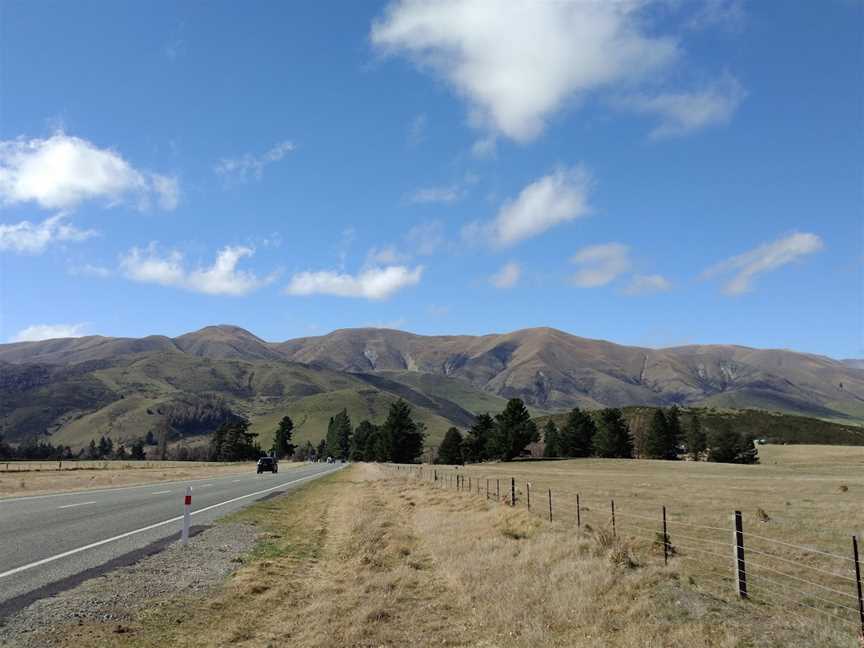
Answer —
267 464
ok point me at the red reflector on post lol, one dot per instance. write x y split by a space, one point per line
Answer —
188 501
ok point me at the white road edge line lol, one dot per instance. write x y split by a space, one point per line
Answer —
93 545
78 504
160 492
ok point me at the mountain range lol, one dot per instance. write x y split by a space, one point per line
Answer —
79 388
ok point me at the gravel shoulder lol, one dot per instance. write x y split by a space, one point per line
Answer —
119 597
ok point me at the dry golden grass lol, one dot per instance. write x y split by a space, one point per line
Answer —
37 478
366 559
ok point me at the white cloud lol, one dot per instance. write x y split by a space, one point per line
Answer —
768 256
600 264
445 195
63 171
647 285
397 324
371 283
557 198
48 332
241 168
33 238
682 113
222 278
507 276
89 270
388 255
519 62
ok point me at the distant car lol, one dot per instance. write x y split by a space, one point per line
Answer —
267 464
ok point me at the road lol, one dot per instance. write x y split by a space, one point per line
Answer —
51 542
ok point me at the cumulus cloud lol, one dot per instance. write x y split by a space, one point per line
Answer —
519 62
240 169
765 258
148 265
33 238
372 283
37 332
387 255
507 276
682 113
557 198
600 264
63 171
647 285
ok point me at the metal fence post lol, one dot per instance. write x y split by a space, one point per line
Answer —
740 566
512 491
550 504
578 513
614 532
498 489
528 492
858 582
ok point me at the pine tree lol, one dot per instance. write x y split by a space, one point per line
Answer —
150 439
359 441
613 435
138 450
551 442
92 450
513 431
342 425
282 446
321 450
403 433
675 431
377 446
576 437
697 443
657 439
727 446
450 450
477 439
120 453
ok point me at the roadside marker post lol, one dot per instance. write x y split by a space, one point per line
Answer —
187 517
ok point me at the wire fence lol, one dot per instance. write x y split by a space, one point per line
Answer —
794 578
97 464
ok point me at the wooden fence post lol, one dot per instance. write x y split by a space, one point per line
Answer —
665 539
858 582
740 566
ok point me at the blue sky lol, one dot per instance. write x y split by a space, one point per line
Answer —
653 173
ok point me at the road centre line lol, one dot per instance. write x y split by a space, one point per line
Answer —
99 543
78 504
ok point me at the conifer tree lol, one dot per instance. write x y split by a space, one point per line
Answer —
697 443
450 450
551 442
613 435
404 435
576 436
282 446
477 439
514 430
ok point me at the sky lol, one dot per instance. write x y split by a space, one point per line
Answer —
650 172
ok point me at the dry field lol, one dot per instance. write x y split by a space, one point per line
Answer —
39 477
800 508
365 558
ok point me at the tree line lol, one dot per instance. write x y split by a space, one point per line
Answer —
604 433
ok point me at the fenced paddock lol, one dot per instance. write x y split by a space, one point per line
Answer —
797 514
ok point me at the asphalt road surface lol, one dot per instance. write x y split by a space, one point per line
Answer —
51 542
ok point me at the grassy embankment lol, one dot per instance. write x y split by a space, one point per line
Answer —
364 559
